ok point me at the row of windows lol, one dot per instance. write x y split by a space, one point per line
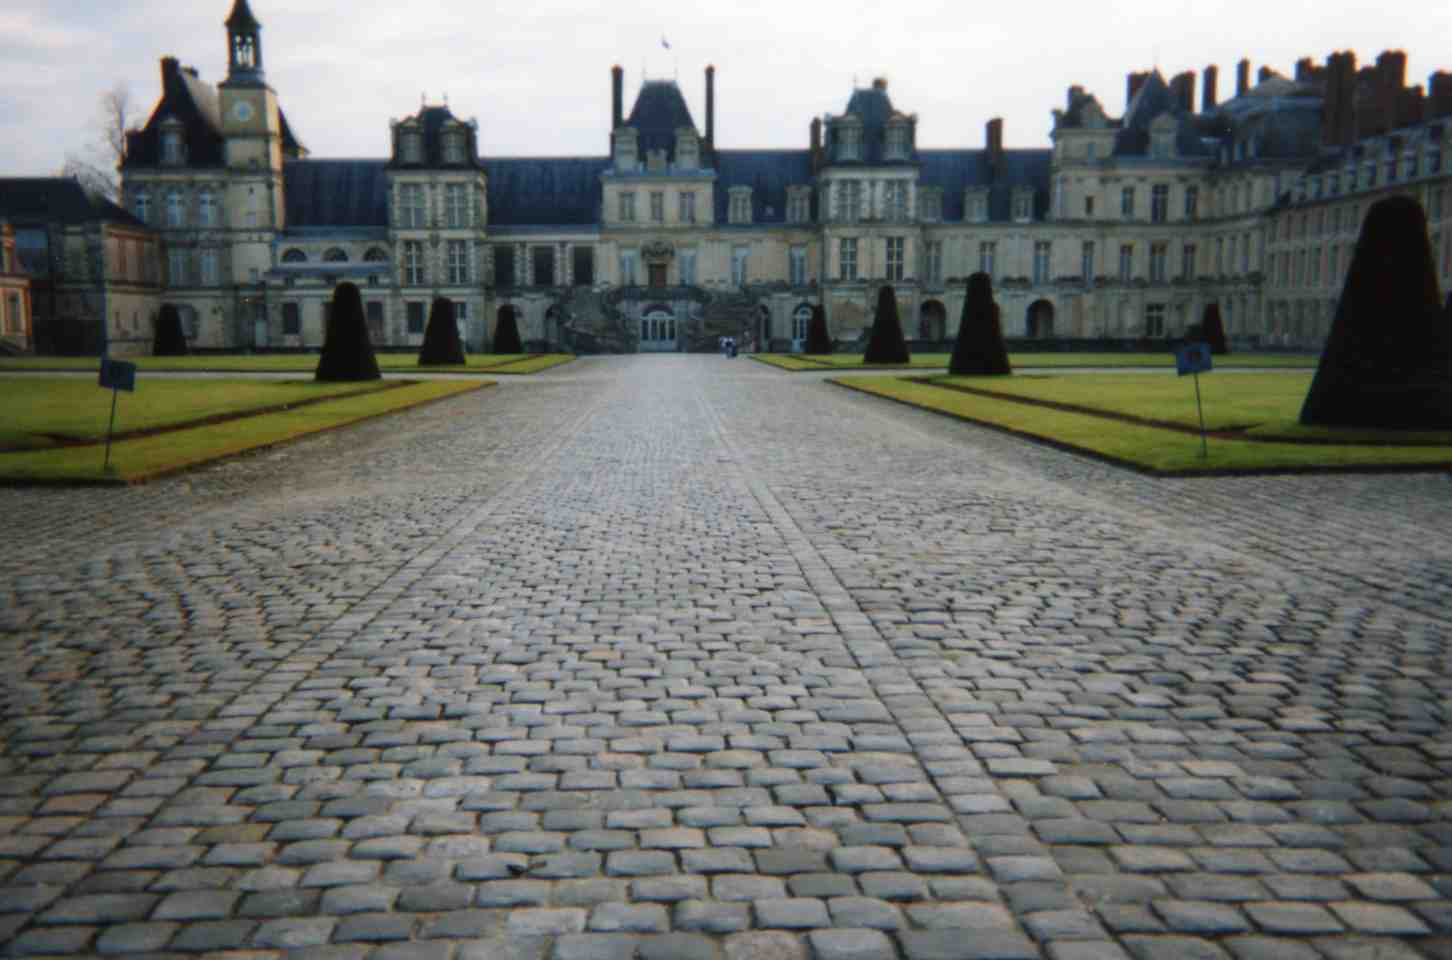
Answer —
542 266
187 267
413 211
410 146
335 255
1409 165
176 211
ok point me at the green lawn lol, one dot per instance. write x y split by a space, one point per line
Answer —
42 404
1028 361
490 363
1266 404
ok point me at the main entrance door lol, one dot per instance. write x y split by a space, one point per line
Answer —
657 331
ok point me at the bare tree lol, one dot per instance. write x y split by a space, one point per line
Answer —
96 166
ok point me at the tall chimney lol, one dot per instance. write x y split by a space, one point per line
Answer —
994 135
1304 70
170 71
617 96
711 107
1242 78
1182 88
1439 94
816 142
1209 80
1264 74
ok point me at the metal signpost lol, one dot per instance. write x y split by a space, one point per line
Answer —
116 375
1194 358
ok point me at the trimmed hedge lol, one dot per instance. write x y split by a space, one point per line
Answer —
171 339
441 345
886 345
347 352
818 340
506 334
979 349
1212 330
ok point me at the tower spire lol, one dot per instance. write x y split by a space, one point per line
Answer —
244 45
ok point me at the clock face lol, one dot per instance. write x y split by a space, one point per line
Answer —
242 111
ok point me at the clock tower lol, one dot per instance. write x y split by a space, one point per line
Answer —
251 122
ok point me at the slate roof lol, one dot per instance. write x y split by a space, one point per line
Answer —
659 111
544 191
37 200
335 193
957 170
768 173
192 103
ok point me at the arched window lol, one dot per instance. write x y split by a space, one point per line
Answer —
376 255
335 255
294 255
801 321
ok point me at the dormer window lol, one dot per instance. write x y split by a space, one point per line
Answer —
688 153
898 141
173 151
626 146
410 147
930 200
975 206
799 204
1162 137
1023 205
849 140
454 147
739 210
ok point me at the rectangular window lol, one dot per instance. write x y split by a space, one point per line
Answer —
1219 256
987 257
1042 251
977 207
627 207
688 208
894 259
931 203
895 200
1154 320
374 312
847 258
933 262
584 266
209 268
543 261
415 317
686 264
1023 206
504 265
848 200
1126 262
629 260
1192 202
207 209
458 253
1086 262
1159 203
413 263
797 266
1089 207
1316 267
176 268
1159 253
456 205
739 256
175 210
411 206
141 205
799 206
291 320
740 210
1187 261
1126 202
1245 254
657 206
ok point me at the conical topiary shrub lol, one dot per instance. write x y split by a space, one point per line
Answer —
441 345
886 345
1388 358
506 334
979 349
347 351
171 339
1212 330
818 340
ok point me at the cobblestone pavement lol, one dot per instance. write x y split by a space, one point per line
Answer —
683 657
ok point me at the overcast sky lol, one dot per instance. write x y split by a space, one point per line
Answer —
537 74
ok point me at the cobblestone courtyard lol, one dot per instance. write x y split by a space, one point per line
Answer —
682 657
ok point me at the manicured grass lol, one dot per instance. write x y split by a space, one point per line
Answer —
1155 449
147 457
490 363
40 411
1029 361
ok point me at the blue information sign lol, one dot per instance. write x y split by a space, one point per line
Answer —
118 375
1192 358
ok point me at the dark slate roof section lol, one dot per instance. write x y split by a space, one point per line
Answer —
768 173
1154 99
292 148
1279 135
193 103
335 193
544 191
873 108
38 200
660 110
241 17
957 170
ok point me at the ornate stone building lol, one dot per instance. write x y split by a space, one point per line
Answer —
1123 229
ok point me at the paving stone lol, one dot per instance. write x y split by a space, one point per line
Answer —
850 944
955 944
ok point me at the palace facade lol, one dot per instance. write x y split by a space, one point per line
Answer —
1124 228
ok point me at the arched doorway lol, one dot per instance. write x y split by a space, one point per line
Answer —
657 329
1039 323
801 324
933 321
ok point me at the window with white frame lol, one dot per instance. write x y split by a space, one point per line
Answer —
1126 262
176 268
847 258
627 206
801 322
413 263
458 262
1192 202
1086 262
1043 251
1126 202
799 204
849 142
1159 203
1154 320
739 259
987 257
411 206
847 200
797 265
1158 268
411 146
897 141
688 207
657 206
454 147
976 203
207 210
629 265
930 203
894 259
176 210
686 266
1023 205
933 262
172 153
895 200
141 206
740 208
456 205
209 268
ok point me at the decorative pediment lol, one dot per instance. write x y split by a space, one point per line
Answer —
657 251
